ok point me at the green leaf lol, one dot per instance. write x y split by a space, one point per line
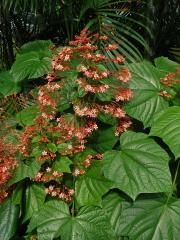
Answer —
17 194
145 84
37 46
31 65
63 104
140 167
106 118
90 187
105 140
7 84
112 205
105 97
27 115
9 215
52 147
155 219
89 224
166 65
81 92
80 157
62 165
62 147
50 220
24 170
71 74
54 220
36 139
101 67
167 126
35 197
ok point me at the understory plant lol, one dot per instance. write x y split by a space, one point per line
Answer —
97 155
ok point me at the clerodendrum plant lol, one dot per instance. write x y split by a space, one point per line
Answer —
73 177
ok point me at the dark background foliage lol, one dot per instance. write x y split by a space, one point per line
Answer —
155 22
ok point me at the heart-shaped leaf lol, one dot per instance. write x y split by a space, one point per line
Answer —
50 219
166 65
145 84
54 220
90 187
27 115
104 140
167 126
155 219
62 165
140 167
8 85
112 206
35 196
9 215
30 65
37 46
24 171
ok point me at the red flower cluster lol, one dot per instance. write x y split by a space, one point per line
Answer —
61 192
86 111
113 109
123 125
8 163
93 72
92 88
171 78
80 168
65 133
26 138
47 175
123 75
122 94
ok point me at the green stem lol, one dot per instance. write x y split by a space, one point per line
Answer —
174 181
73 203
73 208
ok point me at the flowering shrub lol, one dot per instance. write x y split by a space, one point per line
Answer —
77 173
58 135
8 163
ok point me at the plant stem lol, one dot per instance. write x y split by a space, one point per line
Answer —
73 203
174 181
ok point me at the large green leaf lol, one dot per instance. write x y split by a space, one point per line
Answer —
140 167
112 206
151 219
31 65
166 65
167 126
90 187
105 139
89 224
27 115
25 170
62 164
7 84
9 215
35 196
50 220
80 157
37 46
52 147
17 194
54 220
146 87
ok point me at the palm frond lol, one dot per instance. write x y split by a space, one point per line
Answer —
115 19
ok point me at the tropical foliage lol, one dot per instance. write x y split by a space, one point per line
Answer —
24 21
89 120
69 169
